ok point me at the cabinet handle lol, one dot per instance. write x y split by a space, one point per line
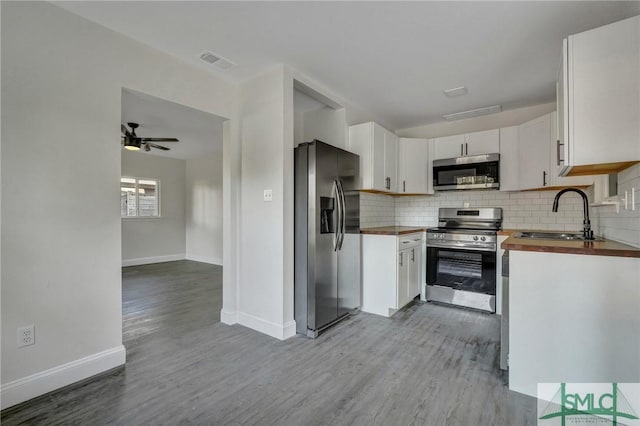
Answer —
466 149
401 258
558 145
413 255
461 149
544 178
404 186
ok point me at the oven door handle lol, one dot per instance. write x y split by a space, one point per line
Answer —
462 247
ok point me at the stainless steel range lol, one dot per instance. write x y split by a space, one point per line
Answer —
461 257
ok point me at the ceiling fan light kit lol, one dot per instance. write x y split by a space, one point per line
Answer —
133 142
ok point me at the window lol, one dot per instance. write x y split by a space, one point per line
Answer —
139 197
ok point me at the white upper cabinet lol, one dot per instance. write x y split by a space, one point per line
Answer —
555 161
533 152
509 161
391 160
537 153
485 142
378 151
414 166
599 98
448 147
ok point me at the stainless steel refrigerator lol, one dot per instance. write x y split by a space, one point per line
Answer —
327 236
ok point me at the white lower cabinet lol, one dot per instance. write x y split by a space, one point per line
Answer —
391 271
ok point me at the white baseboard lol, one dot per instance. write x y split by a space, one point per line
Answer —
204 259
289 330
279 331
29 387
153 259
229 318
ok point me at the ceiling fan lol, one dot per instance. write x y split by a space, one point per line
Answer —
133 142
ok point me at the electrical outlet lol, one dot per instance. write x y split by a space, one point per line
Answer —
268 195
26 336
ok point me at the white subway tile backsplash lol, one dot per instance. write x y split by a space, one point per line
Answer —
623 226
523 210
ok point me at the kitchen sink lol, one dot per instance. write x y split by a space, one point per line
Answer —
567 236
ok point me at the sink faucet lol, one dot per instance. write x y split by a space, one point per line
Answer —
586 229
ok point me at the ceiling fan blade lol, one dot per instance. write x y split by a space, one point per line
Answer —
124 130
164 148
160 140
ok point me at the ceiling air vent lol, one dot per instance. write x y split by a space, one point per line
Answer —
457 91
217 60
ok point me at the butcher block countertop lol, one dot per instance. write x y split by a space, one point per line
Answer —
392 230
595 248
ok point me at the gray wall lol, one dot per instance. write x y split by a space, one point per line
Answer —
204 209
151 240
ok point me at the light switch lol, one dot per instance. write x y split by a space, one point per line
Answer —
268 195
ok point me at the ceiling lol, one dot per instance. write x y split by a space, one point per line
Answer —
200 133
392 59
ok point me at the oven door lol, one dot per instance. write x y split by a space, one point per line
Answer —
463 277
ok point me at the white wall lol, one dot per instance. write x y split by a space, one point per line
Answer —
260 298
204 209
326 124
61 226
151 240
507 118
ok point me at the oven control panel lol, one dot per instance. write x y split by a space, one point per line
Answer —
462 239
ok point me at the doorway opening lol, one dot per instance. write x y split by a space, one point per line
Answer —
171 212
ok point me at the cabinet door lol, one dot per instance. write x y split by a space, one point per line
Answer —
604 65
378 158
533 152
509 161
403 277
486 142
413 284
448 147
413 165
562 116
555 166
391 160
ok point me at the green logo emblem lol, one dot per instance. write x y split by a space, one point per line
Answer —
612 405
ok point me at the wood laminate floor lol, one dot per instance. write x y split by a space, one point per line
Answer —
428 365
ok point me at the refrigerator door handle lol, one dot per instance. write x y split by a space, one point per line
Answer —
336 238
343 216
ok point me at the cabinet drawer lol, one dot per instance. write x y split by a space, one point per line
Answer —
409 241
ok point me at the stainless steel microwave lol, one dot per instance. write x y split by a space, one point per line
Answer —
472 172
